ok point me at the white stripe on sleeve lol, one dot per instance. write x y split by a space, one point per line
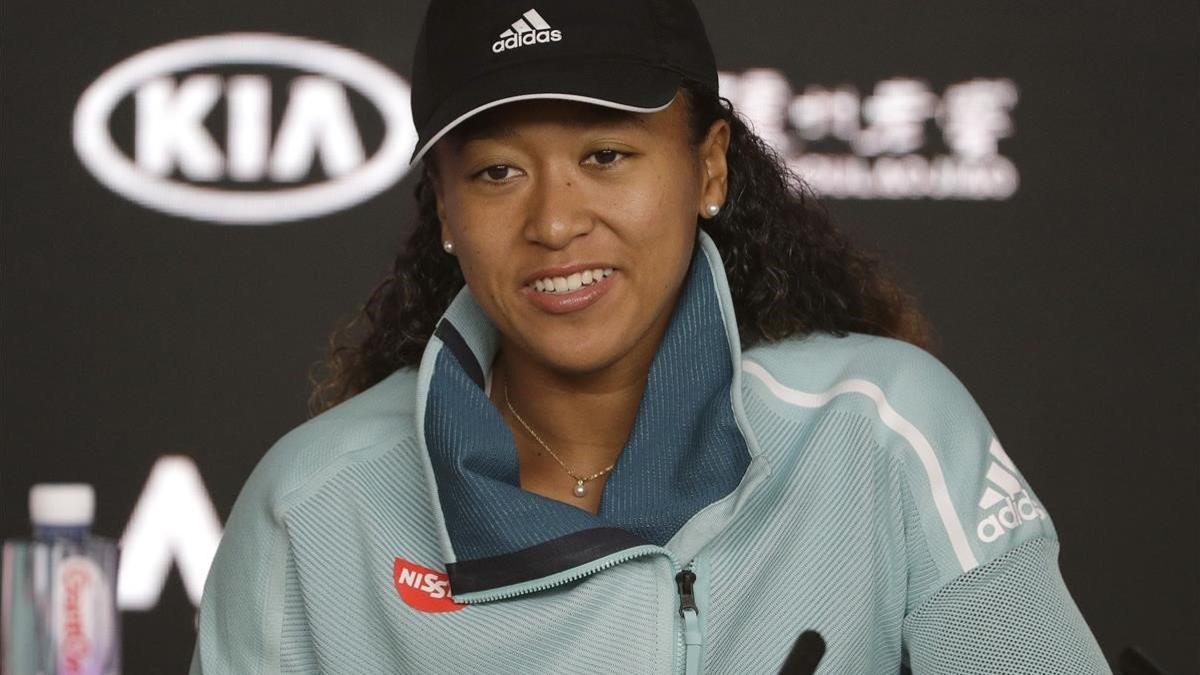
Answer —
888 415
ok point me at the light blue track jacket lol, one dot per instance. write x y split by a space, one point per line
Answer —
847 485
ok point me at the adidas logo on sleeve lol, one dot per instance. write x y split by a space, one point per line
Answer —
530 29
1016 507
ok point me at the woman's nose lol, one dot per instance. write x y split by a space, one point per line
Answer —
558 211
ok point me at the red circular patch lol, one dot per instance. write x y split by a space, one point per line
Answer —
422 588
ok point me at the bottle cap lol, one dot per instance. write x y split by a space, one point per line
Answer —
62 504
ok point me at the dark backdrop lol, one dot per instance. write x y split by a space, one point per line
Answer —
1066 301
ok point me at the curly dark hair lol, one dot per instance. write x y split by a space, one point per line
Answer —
791 270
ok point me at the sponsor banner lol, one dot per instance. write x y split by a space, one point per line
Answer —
878 145
256 172
308 158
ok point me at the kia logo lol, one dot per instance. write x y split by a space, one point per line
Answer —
177 163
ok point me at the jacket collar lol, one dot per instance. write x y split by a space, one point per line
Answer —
684 472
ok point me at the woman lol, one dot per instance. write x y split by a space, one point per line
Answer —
629 402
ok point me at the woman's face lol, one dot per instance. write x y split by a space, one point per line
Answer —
537 195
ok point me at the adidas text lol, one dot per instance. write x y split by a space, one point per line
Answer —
514 41
1014 512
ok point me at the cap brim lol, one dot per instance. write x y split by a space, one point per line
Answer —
624 85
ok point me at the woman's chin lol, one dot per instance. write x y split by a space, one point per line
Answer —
575 364
582 358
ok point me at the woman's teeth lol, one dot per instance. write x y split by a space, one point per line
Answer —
573 282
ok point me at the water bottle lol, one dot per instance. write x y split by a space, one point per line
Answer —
58 610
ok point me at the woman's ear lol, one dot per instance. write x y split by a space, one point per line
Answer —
435 182
715 174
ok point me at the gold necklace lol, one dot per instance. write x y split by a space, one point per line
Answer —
580 490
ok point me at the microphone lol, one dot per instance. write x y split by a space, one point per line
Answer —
805 655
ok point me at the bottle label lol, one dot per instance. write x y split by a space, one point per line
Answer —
82 616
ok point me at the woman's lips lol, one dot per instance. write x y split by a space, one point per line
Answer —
564 303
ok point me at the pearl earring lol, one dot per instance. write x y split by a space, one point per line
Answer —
448 245
713 209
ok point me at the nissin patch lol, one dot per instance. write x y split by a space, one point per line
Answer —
422 588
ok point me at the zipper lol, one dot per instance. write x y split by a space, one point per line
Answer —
690 638
561 578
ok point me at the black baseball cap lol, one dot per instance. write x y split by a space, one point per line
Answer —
625 54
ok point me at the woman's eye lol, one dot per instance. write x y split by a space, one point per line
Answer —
496 172
607 156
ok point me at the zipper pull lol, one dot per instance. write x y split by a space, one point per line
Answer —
692 639
687 598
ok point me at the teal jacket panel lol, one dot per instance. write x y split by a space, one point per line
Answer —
845 485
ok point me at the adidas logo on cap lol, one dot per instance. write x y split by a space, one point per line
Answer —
530 29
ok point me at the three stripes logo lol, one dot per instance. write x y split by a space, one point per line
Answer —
530 29
1016 507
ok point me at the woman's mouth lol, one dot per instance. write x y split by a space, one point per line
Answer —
573 282
571 293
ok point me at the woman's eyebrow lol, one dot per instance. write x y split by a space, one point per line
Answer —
607 118
610 117
477 133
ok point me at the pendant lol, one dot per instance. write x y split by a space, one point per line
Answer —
580 490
